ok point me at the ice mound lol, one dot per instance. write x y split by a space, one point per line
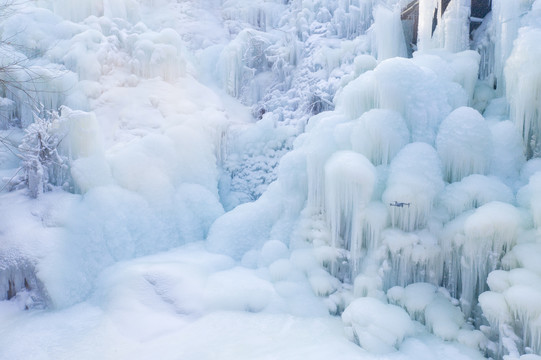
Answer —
400 85
474 191
464 144
477 246
379 135
415 179
375 326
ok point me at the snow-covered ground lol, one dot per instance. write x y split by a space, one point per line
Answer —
270 179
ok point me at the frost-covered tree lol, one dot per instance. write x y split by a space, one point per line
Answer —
41 164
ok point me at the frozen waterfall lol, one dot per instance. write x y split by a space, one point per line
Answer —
264 179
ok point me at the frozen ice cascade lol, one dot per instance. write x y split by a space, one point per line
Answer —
270 179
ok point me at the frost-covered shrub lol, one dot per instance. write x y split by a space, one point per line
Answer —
41 164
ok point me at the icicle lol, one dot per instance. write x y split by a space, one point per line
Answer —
523 79
18 281
349 183
412 257
512 306
479 241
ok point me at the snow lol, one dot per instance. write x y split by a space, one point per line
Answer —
269 179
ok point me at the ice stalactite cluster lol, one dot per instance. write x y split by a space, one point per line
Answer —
435 308
473 191
415 179
523 89
379 135
393 85
464 144
288 60
349 183
512 304
478 242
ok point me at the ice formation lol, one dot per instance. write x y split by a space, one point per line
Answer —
379 135
464 144
288 173
415 178
349 184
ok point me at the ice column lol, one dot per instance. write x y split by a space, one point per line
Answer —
506 21
523 78
390 41
456 22
426 16
349 182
